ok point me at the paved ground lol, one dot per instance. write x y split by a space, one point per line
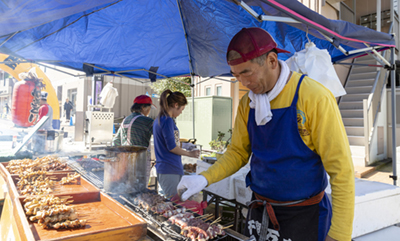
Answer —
69 148
381 174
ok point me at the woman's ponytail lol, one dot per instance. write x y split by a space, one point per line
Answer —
169 99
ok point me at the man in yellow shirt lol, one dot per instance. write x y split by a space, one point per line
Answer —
294 129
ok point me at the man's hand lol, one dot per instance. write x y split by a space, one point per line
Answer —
329 238
190 185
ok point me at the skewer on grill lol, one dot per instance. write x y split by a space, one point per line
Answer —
216 220
227 226
204 216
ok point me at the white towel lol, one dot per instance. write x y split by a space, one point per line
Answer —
260 102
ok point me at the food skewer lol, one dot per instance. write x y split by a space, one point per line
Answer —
216 220
205 215
228 226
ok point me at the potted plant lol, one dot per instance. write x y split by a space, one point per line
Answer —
219 145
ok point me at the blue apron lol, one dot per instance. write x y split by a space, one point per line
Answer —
283 168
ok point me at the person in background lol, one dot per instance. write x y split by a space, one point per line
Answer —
45 110
7 108
137 128
167 147
67 108
292 126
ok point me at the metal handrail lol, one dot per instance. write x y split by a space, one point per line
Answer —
347 80
379 73
373 88
370 118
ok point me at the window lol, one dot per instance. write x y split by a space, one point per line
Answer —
219 90
208 91
59 93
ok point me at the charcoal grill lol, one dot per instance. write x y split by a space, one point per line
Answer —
163 229
158 226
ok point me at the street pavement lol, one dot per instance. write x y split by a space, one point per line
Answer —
69 147
7 127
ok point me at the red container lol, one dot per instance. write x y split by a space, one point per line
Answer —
24 108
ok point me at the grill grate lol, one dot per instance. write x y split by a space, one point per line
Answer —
90 176
168 230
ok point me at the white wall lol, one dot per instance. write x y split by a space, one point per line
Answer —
380 122
200 89
67 82
389 120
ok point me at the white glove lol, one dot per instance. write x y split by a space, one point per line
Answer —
188 146
190 185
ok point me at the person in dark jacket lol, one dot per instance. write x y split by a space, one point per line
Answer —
68 106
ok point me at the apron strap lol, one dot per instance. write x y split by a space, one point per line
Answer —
296 95
122 130
130 127
268 211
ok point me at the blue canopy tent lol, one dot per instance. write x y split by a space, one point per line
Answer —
143 40
177 37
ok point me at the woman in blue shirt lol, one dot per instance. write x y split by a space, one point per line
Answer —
167 147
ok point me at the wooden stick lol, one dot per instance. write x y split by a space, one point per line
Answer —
203 216
190 208
87 219
207 219
66 197
216 220
228 226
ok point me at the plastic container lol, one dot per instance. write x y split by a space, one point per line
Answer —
242 193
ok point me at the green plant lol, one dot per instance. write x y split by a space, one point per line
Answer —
219 144
160 85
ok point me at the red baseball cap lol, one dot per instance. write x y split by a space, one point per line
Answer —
144 99
251 43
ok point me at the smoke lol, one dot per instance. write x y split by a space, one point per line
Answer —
126 173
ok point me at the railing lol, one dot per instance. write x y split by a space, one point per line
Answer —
372 105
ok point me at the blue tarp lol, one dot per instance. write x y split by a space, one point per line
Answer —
141 34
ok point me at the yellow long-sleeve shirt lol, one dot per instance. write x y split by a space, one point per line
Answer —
321 128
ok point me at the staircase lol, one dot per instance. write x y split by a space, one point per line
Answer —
358 87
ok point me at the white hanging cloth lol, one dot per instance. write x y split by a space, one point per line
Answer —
317 64
108 95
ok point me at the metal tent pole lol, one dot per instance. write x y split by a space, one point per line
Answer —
192 74
192 86
393 88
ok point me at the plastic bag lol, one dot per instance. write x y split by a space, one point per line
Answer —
188 146
317 64
108 95
194 206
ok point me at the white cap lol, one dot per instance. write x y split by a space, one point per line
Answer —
43 95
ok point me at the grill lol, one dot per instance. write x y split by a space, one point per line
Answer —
158 222
159 227
96 178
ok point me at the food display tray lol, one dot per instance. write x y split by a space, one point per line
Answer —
106 220
80 186
3 168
